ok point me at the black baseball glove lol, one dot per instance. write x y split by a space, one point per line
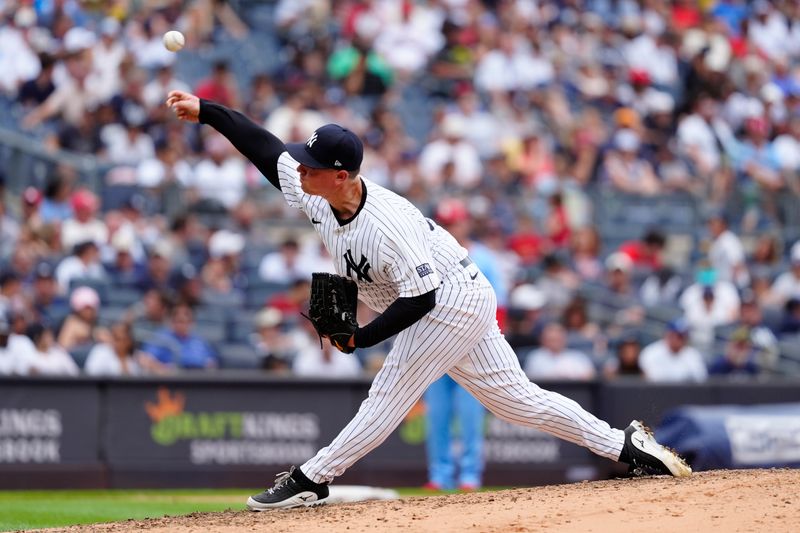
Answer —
332 310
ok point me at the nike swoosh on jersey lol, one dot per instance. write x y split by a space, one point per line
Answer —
315 221
473 276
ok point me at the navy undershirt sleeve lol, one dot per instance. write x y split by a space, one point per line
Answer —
401 314
254 142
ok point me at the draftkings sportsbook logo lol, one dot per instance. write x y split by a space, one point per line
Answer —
232 437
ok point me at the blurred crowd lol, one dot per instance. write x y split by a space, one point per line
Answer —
514 123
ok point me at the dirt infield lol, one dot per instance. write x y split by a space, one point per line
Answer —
723 501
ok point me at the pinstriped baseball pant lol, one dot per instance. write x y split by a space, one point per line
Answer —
460 337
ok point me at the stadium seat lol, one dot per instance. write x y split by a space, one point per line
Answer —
101 286
258 294
238 355
122 296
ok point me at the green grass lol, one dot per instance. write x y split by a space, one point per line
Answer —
39 509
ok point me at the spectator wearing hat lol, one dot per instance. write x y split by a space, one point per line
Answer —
526 316
41 356
179 346
187 285
83 263
124 270
83 225
553 360
276 344
221 277
787 284
672 359
625 362
158 268
739 358
80 328
620 293
625 170
762 334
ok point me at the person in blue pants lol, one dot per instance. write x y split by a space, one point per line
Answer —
450 408
445 402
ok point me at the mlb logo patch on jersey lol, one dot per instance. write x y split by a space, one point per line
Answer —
424 270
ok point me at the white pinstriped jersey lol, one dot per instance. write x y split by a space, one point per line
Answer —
390 249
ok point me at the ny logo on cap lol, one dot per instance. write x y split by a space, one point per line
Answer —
311 140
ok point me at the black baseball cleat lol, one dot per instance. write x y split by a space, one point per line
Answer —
645 456
292 489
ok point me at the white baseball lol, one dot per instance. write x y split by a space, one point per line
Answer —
174 40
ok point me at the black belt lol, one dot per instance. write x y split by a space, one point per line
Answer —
466 262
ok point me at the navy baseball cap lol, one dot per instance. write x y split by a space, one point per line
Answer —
330 146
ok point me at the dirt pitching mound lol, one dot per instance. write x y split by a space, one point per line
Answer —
727 500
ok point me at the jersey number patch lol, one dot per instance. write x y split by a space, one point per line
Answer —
361 269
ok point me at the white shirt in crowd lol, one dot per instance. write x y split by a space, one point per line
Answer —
467 166
225 182
71 267
312 362
6 362
124 148
103 361
723 310
18 61
569 364
106 59
75 232
152 172
54 362
660 364
786 286
695 136
725 254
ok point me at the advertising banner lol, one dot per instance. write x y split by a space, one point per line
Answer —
48 423
186 424
735 436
